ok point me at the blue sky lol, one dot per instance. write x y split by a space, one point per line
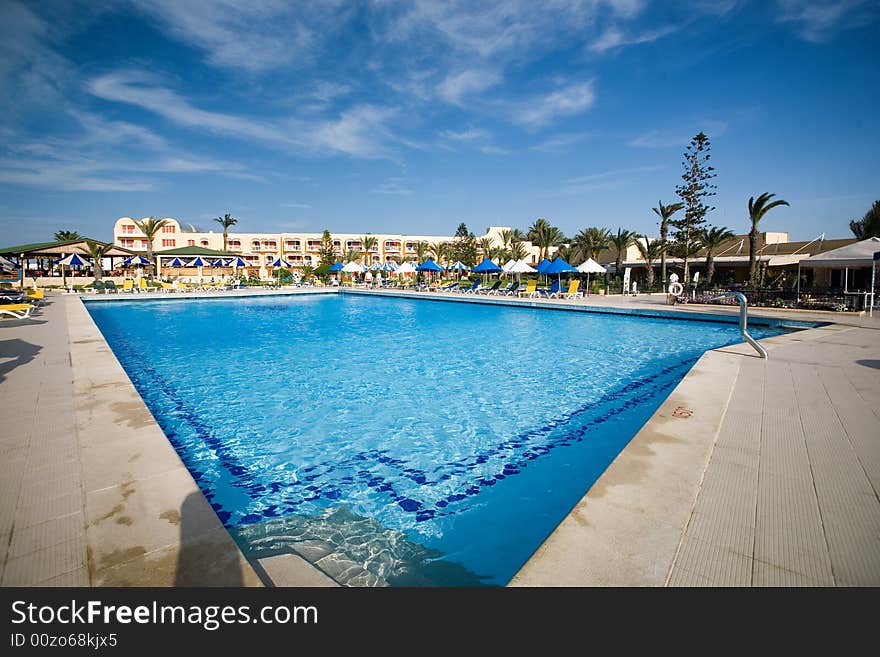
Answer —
413 116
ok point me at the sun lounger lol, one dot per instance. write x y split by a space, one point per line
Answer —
448 288
573 290
488 290
167 287
36 297
552 292
110 286
473 288
16 310
531 289
142 285
128 285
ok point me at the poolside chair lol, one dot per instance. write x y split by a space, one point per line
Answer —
110 286
16 310
37 297
553 291
167 287
531 289
448 288
473 288
489 290
505 291
142 285
573 290
128 285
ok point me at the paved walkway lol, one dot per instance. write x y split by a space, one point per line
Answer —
753 472
790 493
42 523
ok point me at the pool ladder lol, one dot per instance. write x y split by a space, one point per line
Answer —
744 320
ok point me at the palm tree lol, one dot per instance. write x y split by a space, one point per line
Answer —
621 242
518 251
506 238
96 251
757 209
665 212
352 255
544 236
227 221
485 244
869 225
66 235
150 228
517 236
438 251
422 251
590 242
650 250
367 243
684 250
712 238
498 254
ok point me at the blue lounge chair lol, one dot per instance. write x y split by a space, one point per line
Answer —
473 288
507 291
448 288
553 291
489 290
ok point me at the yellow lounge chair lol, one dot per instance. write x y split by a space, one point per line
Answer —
16 310
142 285
128 285
572 290
531 289
167 287
36 296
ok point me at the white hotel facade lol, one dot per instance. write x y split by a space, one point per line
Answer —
299 249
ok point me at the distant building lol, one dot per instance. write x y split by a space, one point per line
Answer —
299 249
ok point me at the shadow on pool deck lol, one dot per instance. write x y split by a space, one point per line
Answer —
197 559
20 351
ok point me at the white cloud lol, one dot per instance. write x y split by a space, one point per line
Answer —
301 206
256 35
611 179
359 131
669 139
559 143
471 134
820 21
566 101
455 87
393 187
614 38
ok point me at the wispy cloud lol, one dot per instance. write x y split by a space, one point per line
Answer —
302 206
611 179
613 37
471 134
456 87
358 131
254 36
674 138
559 143
565 101
821 21
393 187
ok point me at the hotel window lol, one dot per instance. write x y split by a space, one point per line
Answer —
168 229
255 246
169 242
270 245
190 242
204 242
128 243
128 229
143 244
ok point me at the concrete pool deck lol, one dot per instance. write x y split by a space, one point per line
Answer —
752 472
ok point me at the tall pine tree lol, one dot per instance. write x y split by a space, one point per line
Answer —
694 191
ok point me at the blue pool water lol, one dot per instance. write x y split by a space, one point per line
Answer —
398 441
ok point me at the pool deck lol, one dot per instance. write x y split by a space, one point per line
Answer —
752 472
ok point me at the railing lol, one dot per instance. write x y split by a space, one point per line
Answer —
834 300
744 320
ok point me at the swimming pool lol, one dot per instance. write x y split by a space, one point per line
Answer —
398 441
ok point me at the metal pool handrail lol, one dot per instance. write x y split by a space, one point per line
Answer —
743 320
